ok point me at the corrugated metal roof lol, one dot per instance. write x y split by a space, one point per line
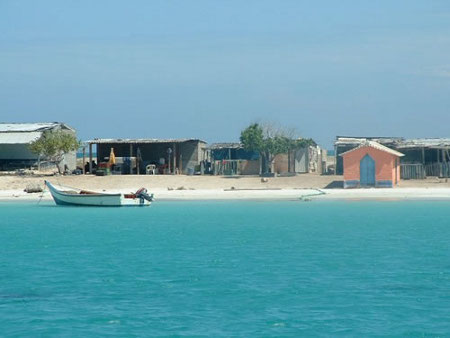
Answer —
141 140
345 140
225 145
19 137
397 142
374 145
30 127
425 143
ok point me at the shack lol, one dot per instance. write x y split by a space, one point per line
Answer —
371 164
147 156
424 157
15 139
309 159
232 159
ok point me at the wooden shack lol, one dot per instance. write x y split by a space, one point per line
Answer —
136 156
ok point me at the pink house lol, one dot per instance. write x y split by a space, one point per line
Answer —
371 164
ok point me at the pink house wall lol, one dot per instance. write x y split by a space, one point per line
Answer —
385 168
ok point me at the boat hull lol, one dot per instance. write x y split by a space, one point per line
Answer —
95 199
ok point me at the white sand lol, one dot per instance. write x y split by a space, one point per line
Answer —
283 194
221 188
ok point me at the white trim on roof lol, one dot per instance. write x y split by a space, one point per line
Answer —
31 127
374 145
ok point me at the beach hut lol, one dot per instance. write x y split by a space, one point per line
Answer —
371 164
424 157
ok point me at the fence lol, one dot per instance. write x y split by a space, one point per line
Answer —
441 169
414 171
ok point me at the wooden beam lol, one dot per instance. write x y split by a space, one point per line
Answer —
138 164
335 159
168 159
289 160
131 162
90 158
181 163
84 160
174 155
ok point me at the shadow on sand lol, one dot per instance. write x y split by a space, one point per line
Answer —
335 185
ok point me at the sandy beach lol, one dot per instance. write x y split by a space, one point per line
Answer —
181 187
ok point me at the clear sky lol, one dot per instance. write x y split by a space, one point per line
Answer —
206 69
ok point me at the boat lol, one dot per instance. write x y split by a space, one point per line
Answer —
79 197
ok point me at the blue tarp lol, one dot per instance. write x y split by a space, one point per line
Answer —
233 154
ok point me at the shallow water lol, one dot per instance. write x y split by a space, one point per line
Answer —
226 268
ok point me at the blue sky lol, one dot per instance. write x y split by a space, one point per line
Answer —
206 69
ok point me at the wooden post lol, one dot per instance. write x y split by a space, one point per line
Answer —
260 165
289 160
181 163
423 155
168 159
443 174
90 157
174 154
335 159
84 160
137 160
131 162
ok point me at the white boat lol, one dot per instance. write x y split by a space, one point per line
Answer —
72 196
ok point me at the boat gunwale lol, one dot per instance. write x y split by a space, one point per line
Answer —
93 194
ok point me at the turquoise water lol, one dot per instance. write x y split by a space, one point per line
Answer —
226 269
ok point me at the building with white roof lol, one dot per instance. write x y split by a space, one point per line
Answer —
15 139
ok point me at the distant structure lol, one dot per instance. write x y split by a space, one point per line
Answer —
233 159
423 158
309 159
371 164
145 156
14 145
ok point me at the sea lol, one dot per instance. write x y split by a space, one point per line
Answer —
226 268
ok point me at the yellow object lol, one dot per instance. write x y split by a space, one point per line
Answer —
112 157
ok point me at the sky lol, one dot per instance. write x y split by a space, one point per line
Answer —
207 69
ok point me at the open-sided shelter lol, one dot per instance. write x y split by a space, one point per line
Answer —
15 139
134 156
371 164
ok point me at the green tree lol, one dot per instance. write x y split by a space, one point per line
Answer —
269 141
53 145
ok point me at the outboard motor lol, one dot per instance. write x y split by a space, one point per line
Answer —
143 195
